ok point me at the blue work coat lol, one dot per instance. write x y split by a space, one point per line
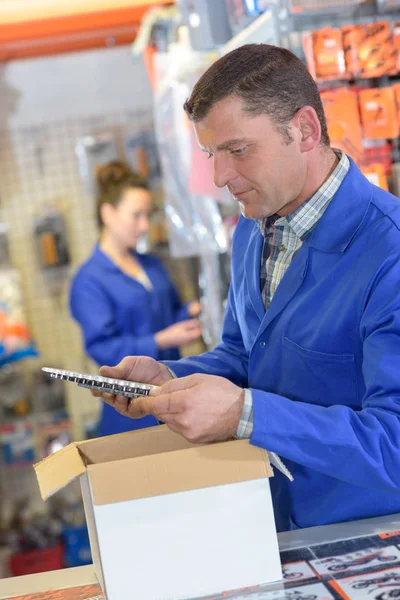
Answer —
118 317
323 362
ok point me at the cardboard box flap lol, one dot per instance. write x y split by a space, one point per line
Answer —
178 471
57 470
141 442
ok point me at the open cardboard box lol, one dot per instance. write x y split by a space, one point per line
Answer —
169 519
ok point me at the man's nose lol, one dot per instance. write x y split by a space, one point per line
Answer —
223 172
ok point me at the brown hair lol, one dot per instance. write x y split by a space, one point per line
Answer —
267 79
113 179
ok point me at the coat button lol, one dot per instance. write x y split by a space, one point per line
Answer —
262 344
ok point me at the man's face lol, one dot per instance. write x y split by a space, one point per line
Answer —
253 159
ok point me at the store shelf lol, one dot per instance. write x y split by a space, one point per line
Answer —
324 7
335 13
389 6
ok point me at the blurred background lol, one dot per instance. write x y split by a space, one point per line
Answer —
84 83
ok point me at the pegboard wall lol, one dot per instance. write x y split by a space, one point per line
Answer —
39 168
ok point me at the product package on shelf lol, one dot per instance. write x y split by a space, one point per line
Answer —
17 444
378 151
363 115
15 338
375 173
396 89
353 52
379 113
142 154
369 50
343 119
14 394
396 39
328 54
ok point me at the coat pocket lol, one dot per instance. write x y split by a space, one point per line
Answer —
319 377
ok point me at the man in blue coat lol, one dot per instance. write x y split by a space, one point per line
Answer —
309 362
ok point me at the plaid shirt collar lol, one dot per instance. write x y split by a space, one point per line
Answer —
303 220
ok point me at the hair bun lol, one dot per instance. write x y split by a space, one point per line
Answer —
112 173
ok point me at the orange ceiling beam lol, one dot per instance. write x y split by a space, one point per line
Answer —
73 32
17 11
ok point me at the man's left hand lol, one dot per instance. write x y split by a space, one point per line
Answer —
202 408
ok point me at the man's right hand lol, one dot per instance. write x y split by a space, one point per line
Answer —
133 368
179 334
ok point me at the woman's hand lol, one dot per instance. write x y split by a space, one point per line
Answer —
179 334
194 308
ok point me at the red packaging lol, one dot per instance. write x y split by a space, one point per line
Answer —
37 561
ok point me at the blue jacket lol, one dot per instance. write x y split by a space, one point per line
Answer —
323 362
119 317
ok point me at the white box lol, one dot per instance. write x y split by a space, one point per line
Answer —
169 520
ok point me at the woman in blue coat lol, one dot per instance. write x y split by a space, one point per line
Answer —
125 302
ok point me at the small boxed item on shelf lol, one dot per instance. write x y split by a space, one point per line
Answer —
369 50
76 546
375 173
343 120
37 561
396 89
396 34
328 54
379 113
34 540
363 51
150 494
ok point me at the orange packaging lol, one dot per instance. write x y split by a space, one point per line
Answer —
375 173
396 36
379 113
328 53
307 43
396 89
343 119
369 50
350 49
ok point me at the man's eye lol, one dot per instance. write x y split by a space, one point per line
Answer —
239 151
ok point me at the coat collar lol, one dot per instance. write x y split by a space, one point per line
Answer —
103 261
334 232
344 215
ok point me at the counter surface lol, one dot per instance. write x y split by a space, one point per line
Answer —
318 562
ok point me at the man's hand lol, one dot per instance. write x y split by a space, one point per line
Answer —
202 408
133 368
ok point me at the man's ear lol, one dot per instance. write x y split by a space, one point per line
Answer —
307 122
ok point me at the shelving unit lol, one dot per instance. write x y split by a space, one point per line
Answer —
291 21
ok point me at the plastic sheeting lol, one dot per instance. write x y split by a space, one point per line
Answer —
195 224
194 221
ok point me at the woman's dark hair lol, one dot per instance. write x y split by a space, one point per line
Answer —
268 79
113 179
